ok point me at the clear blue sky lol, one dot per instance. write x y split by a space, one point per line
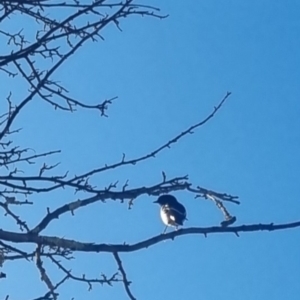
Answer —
168 75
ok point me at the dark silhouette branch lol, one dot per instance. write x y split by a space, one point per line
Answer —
123 273
75 246
104 280
44 276
22 224
152 154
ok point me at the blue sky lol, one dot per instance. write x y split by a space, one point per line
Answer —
169 74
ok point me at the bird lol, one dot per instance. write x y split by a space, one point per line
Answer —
172 212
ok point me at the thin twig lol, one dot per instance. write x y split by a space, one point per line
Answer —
123 273
43 273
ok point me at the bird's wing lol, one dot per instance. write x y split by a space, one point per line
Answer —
176 215
180 212
180 209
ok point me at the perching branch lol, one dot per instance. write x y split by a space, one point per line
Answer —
75 246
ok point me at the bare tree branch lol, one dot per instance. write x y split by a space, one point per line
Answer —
125 280
104 280
43 273
112 248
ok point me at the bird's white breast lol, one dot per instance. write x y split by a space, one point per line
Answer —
165 217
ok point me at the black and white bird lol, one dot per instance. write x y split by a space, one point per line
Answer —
172 212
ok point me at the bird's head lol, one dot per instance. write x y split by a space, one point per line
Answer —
165 199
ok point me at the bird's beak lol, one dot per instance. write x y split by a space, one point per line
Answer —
155 201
